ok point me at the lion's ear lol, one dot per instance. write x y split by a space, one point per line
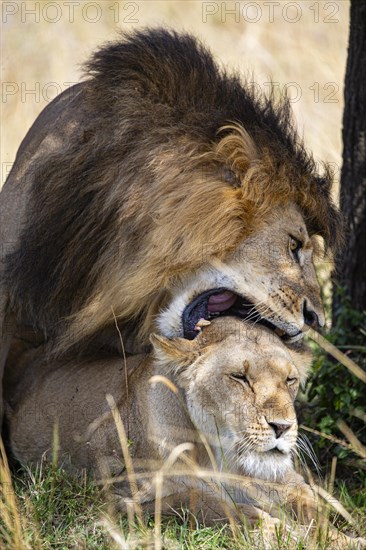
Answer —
177 352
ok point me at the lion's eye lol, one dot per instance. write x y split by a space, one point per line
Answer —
295 247
291 380
239 377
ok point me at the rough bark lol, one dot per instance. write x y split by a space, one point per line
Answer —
351 262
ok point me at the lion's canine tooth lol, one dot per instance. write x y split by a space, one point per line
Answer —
280 332
201 323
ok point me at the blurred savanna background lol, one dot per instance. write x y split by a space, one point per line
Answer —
301 47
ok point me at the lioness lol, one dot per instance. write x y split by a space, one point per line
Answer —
160 181
233 386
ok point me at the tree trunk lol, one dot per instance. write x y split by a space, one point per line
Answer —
351 262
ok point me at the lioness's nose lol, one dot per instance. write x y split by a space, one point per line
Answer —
279 429
311 318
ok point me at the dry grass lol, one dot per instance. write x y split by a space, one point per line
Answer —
10 523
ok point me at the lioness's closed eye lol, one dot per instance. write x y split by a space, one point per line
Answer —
233 388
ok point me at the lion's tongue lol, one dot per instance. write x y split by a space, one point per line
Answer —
221 302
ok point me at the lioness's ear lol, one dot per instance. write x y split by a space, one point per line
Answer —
177 352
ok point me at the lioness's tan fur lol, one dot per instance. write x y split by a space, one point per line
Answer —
187 392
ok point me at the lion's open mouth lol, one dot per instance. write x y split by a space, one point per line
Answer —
221 301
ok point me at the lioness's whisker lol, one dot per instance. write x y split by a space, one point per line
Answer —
233 452
304 446
305 440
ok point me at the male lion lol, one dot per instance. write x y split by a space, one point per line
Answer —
160 183
229 404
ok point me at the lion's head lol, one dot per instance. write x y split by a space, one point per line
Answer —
240 383
269 279
176 186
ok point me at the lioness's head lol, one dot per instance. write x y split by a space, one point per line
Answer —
269 279
240 382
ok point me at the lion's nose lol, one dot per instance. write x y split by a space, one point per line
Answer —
311 318
279 429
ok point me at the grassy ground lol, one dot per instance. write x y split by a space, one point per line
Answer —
54 510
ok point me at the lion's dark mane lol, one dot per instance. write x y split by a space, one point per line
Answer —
143 94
